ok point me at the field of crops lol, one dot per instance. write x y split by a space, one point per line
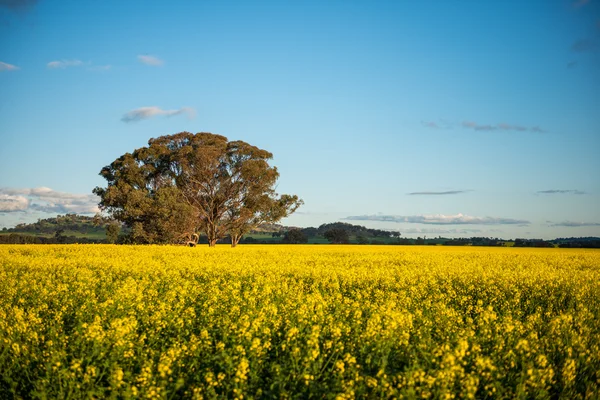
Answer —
84 321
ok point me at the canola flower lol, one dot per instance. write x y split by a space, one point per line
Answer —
339 322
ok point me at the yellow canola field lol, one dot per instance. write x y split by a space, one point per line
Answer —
300 321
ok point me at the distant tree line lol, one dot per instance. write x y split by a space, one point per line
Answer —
584 242
336 233
533 243
73 228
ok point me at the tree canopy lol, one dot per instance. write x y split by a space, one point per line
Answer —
337 236
187 183
295 236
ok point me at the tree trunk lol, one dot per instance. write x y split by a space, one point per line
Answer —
211 233
235 239
193 240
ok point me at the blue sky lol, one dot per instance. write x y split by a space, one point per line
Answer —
452 118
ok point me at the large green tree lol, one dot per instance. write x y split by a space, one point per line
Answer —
187 183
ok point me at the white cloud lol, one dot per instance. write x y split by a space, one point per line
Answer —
440 219
78 207
150 60
10 203
47 200
64 64
7 67
148 112
502 126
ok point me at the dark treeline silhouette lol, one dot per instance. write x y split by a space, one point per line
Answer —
533 243
583 242
351 229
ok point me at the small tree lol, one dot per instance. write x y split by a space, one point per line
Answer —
295 236
337 236
59 237
362 239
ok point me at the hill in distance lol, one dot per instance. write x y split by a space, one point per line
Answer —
66 225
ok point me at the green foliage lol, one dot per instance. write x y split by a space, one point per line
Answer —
184 183
112 232
295 236
356 230
362 240
337 236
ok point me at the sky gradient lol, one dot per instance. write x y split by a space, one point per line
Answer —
470 118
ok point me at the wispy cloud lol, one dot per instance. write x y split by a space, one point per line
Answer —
440 219
431 124
17 5
47 200
64 64
500 127
572 224
7 67
584 46
509 127
439 124
440 231
150 60
437 193
148 112
478 127
572 64
560 191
